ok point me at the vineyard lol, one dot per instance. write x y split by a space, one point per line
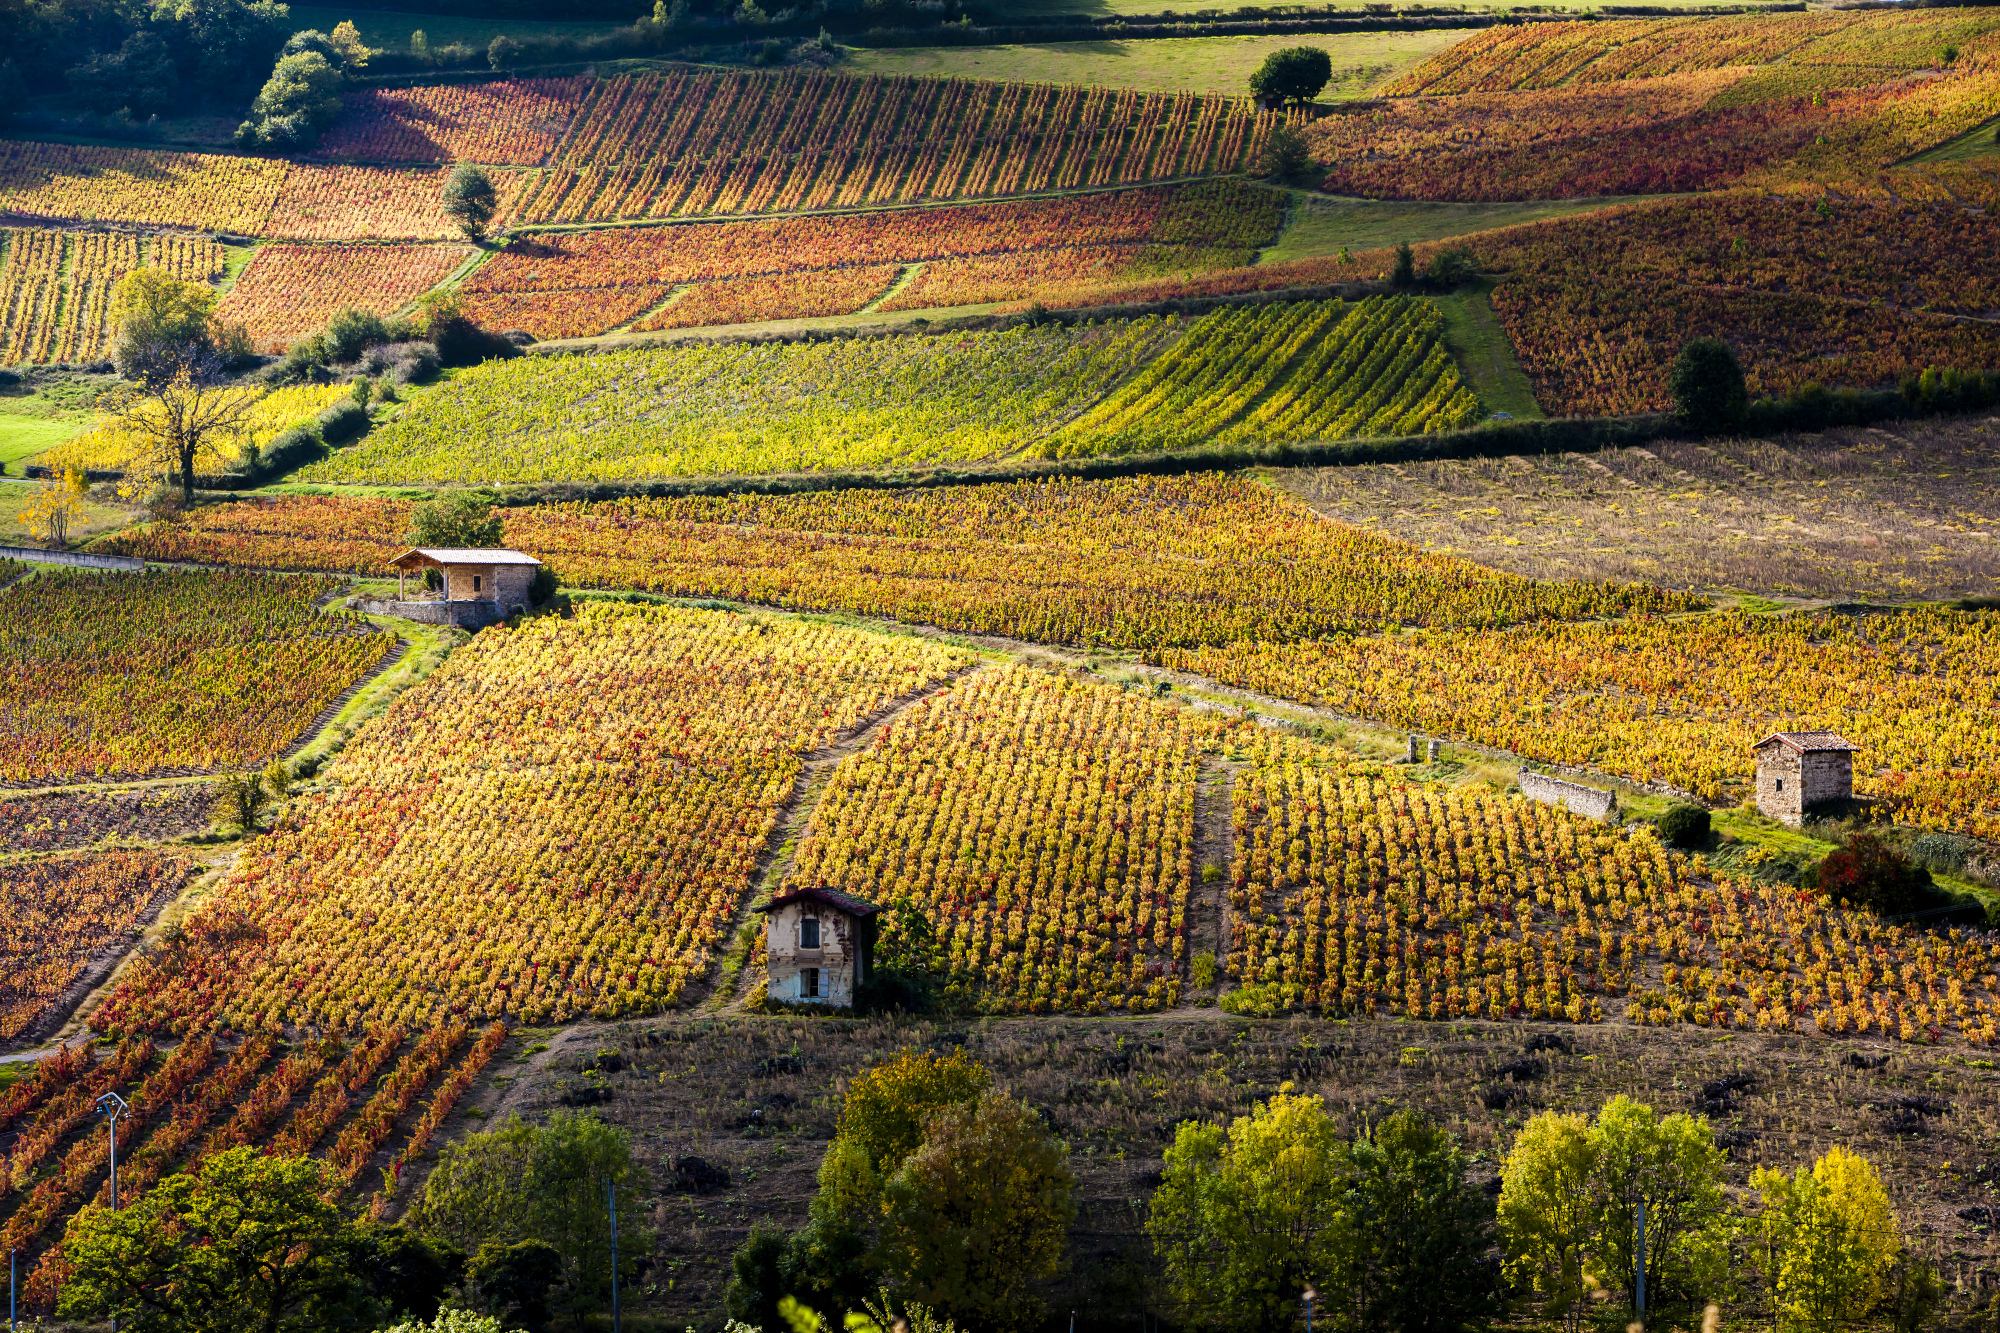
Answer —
704 144
68 820
359 203
1807 290
192 190
62 912
290 291
109 446
560 821
1681 701
1045 827
128 674
1355 893
55 287
1146 562
518 122
566 285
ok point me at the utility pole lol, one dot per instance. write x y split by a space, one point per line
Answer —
1640 1285
611 1196
1310 1296
114 1109
13 1275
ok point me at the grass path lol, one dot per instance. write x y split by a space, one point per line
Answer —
1473 332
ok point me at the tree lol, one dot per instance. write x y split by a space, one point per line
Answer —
980 1212
827 1264
187 419
1405 273
139 77
1706 385
346 40
1872 875
56 508
1418 1234
161 323
296 104
1286 153
513 1282
1451 267
451 1321
461 519
1549 1214
550 1183
1830 1240
246 1243
1672 1165
1295 73
886 1107
502 52
1246 1217
470 199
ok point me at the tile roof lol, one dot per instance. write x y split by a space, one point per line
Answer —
830 897
462 555
1804 741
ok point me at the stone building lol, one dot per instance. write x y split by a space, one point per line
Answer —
477 587
819 946
1796 770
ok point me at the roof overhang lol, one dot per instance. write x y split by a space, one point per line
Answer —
437 557
833 898
1808 742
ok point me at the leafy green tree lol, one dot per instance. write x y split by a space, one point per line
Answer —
886 1107
979 1212
247 1243
1294 73
470 199
1830 1240
550 1183
1672 1166
1404 275
296 105
828 1264
1707 386
161 322
1247 1217
1286 153
1418 1234
462 519
502 52
1450 267
139 77
221 46
1549 1212
513 1282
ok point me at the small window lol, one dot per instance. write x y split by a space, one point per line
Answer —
809 983
475 583
1781 784
809 933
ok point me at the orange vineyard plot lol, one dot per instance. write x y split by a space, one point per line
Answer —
562 820
357 203
289 291
836 291
515 122
59 913
55 287
697 145
1131 563
1044 826
1681 701
193 190
104 674
577 284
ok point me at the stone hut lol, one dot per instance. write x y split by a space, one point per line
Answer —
1796 770
819 946
481 587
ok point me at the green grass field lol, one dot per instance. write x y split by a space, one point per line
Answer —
1981 142
1321 226
1204 64
21 438
1473 332
390 30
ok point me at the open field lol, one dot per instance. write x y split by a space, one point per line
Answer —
1899 513
1318 226
290 291
98 516
1361 61
140 673
21 438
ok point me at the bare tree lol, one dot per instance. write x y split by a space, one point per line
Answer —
186 416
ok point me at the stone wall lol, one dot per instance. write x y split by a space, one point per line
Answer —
80 559
1590 802
465 615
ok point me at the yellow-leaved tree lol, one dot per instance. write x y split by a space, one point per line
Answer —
56 508
1830 1239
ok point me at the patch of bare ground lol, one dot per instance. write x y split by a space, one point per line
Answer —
1906 511
758 1098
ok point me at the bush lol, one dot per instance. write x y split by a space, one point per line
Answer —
1685 825
1405 272
415 362
343 421
1450 267
1870 874
1706 385
1286 153
352 332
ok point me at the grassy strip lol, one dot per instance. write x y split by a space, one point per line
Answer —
1473 332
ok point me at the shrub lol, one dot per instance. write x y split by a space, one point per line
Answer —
1450 267
1706 385
1405 272
343 421
1286 153
352 332
1871 874
1685 825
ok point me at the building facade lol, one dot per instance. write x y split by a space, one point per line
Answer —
1797 770
819 946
